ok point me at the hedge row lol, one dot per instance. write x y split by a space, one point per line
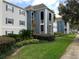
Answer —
25 42
58 34
6 44
44 37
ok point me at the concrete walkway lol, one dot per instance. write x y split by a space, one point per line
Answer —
72 51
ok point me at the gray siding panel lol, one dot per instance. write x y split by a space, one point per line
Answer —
37 22
60 26
36 17
29 21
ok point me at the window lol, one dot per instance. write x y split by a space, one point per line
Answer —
22 12
21 22
42 27
32 15
50 16
34 11
42 15
9 8
9 21
8 32
65 23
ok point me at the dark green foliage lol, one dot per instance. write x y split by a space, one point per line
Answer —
25 34
44 37
58 34
6 43
15 36
70 12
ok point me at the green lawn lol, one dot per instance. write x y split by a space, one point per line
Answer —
50 50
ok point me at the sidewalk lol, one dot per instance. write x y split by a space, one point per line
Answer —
72 51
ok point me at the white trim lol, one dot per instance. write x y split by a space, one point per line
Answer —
67 27
45 21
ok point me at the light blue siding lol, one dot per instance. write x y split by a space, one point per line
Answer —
60 26
29 20
37 21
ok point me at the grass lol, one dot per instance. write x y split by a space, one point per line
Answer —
49 50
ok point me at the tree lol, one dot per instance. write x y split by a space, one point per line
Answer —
24 34
70 12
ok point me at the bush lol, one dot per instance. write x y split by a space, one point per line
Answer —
6 40
15 36
25 34
44 37
25 42
59 34
6 43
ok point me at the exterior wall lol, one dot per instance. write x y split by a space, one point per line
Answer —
38 23
67 27
49 23
60 26
46 22
1 3
29 20
36 19
55 27
45 17
14 15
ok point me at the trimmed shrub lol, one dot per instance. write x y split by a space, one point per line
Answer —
25 42
6 43
15 36
59 34
44 37
34 41
6 40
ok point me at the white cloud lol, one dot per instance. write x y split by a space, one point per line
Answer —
18 1
48 2
34 2
52 4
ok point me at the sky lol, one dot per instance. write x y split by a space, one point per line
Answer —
52 4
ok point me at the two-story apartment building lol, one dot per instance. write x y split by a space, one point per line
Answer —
40 19
12 18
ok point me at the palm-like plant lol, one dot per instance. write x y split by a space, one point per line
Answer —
25 34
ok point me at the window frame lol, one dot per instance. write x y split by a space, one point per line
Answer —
22 23
9 8
42 28
42 15
50 16
9 32
9 19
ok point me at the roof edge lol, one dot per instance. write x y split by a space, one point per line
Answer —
12 4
